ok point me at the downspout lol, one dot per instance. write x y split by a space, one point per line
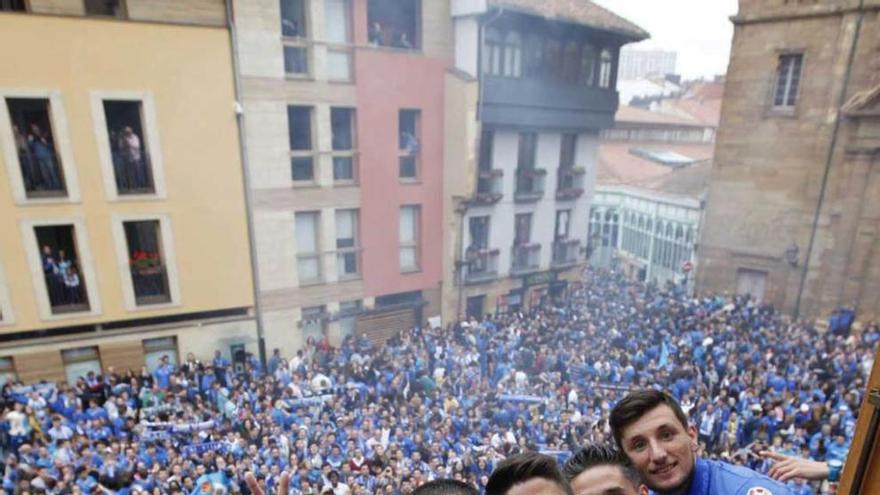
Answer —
242 139
829 157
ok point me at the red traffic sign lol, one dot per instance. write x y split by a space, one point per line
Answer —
687 266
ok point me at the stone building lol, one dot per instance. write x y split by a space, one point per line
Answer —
792 216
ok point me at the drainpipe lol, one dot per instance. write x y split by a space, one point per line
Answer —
459 261
830 157
246 181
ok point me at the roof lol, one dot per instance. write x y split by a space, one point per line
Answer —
705 112
619 165
636 115
583 12
707 90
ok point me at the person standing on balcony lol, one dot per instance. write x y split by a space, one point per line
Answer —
24 157
72 285
43 151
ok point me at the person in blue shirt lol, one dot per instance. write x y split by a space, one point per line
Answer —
163 373
652 430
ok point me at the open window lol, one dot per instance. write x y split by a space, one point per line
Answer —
35 146
409 143
395 23
294 32
129 150
80 362
62 272
302 159
344 143
149 274
105 8
13 6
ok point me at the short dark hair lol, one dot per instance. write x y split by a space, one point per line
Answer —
599 455
445 487
637 404
524 467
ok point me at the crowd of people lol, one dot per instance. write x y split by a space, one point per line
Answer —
448 402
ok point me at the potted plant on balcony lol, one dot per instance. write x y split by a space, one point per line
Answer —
145 263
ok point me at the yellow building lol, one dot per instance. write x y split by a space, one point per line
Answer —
121 197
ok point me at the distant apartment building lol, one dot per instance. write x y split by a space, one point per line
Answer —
533 86
639 63
122 203
344 108
792 217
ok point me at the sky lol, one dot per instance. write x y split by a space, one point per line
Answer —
699 30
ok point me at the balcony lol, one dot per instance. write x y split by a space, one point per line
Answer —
529 185
489 187
566 252
525 258
481 265
133 172
150 284
570 184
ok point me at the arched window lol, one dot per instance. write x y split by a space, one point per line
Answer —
492 50
588 65
513 54
605 69
571 63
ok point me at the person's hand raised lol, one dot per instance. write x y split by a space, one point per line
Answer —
281 489
786 467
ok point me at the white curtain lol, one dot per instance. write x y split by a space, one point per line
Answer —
306 233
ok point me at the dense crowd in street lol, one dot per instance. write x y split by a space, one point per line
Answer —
445 403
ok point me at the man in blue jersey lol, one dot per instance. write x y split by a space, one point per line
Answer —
652 430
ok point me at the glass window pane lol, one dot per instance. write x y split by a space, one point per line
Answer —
306 232
302 169
293 18
308 268
407 167
338 65
341 124
343 168
407 258
296 60
299 121
336 20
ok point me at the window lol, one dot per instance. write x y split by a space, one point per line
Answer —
293 18
563 221
79 362
62 272
527 148
571 62
302 160
314 323
156 349
7 368
408 125
553 59
110 8
487 139
788 77
399 298
348 311
492 52
128 147
347 249
308 247
338 32
567 152
149 275
522 229
34 137
15 6
409 237
342 124
512 54
479 230
294 30
588 63
605 69
395 23
534 56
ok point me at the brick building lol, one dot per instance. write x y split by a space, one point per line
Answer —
792 215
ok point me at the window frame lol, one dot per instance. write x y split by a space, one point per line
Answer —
169 349
298 42
416 235
85 261
402 152
152 144
355 249
61 136
311 153
169 260
606 68
774 93
316 255
7 315
344 47
65 361
351 153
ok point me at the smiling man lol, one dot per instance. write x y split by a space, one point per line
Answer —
652 430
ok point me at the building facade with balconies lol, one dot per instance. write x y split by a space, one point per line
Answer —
121 198
343 111
534 85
